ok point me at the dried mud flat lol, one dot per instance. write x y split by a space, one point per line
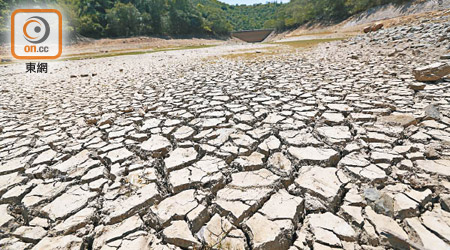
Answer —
92 48
335 147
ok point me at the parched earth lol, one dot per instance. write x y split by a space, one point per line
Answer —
334 147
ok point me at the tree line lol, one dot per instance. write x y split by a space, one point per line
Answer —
298 12
125 18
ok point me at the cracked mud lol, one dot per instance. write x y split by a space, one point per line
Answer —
335 147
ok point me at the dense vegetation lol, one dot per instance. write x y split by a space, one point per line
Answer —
249 17
298 12
124 18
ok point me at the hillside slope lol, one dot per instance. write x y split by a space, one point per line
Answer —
389 15
392 11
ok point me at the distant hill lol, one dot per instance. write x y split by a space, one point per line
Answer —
245 17
126 18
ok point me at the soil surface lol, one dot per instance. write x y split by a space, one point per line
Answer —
236 146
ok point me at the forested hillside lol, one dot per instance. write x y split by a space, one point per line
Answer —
245 17
298 12
124 18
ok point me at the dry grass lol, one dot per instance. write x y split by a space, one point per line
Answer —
82 56
283 47
248 55
308 43
134 52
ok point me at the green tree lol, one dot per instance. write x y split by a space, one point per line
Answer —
4 14
114 18
90 26
145 24
158 12
122 20
184 18
215 20
70 9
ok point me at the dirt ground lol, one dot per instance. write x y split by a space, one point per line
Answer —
108 46
340 146
93 48
344 30
290 145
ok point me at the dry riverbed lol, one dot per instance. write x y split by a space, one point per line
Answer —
336 146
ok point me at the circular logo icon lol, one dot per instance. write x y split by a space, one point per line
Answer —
36 30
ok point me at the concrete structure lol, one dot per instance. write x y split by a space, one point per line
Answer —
252 36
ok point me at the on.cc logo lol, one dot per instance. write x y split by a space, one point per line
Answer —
36 34
42 24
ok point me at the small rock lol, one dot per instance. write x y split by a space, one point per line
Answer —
267 234
432 72
75 222
335 134
320 183
178 233
251 162
220 232
107 234
445 202
30 234
426 238
72 163
436 221
377 27
71 201
280 164
354 213
432 112
118 155
445 57
125 208
387 227
179 158
5 218
69 242
333 223
431 153
282 205
14 165
170 209
157 144
45 157
441 167
417 85
327 157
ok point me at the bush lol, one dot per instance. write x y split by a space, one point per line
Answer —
123 20
89 26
